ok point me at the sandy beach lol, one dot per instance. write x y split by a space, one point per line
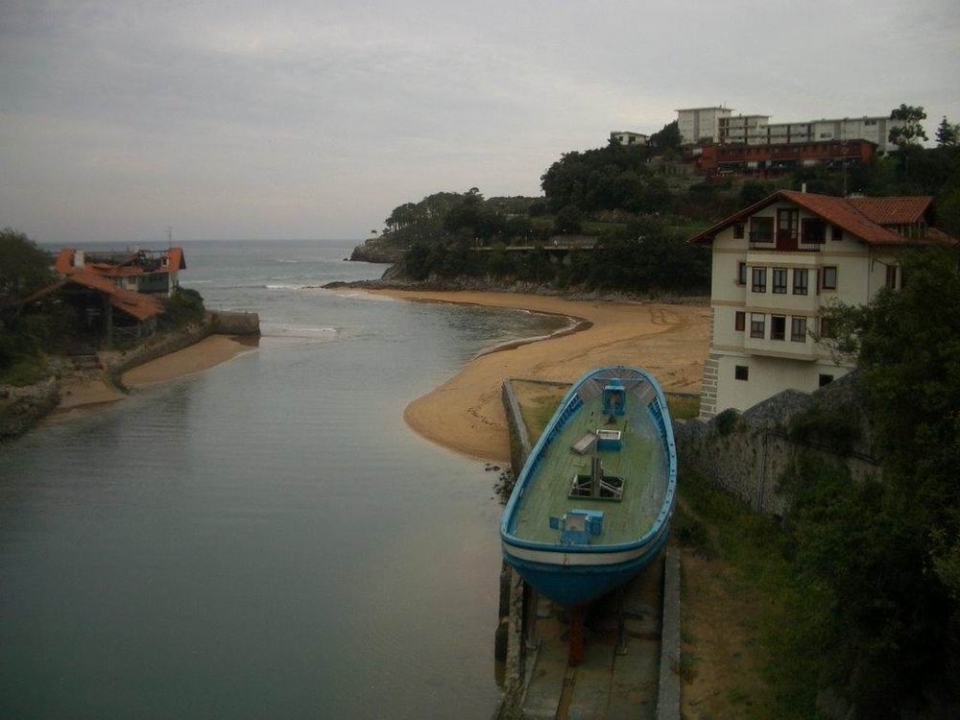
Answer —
87 389
466 413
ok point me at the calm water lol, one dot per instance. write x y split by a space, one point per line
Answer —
266 539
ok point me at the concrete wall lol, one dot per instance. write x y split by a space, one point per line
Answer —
216 323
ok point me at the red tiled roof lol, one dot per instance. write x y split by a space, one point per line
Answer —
839 211
177 261
64 264
893 210
139 305
860 219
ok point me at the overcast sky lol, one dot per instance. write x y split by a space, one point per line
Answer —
314 119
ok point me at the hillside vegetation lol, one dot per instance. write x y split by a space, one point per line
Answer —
616 218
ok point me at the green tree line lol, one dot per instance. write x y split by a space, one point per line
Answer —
877 562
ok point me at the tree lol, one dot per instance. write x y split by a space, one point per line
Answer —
887 552
24 268
668 138
908 130
947 135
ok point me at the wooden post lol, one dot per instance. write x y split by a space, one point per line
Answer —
575 656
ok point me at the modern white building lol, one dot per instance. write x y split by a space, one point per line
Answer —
701 124
776 266
720 125
625 137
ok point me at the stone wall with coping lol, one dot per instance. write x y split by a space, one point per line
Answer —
750 452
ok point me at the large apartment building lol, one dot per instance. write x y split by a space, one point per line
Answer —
720 125
776 265
698 125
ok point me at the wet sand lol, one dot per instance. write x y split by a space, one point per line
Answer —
466 414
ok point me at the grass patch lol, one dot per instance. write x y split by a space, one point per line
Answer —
683 407
25 372
538 403
766 605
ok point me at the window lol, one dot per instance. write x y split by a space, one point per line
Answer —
757 325
825 379
761 229
826 328
740 322
798 329
780 281
778 327
829 278
813 230
738 231
759 279
892 277
836 232
741 273
741 372
800 282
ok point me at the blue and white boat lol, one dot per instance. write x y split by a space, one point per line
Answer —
593 502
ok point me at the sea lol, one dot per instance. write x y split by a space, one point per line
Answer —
267 538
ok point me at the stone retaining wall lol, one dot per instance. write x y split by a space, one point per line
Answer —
215 323
22 408
748 458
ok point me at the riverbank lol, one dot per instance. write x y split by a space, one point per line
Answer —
466 413
86 390
81 384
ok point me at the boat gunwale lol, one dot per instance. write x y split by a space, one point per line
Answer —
666 509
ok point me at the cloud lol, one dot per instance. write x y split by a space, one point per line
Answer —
300 119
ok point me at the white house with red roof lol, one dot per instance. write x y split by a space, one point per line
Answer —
776 266
142 271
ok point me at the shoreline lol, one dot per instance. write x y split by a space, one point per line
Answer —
465 414
82 392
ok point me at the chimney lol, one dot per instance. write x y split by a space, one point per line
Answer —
803 188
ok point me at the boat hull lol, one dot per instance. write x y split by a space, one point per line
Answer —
579 580
575 574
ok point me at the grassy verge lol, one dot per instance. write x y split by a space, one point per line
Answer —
745 612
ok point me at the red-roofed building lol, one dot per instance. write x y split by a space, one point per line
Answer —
776 265
142 271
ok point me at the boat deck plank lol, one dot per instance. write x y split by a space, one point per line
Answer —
641 462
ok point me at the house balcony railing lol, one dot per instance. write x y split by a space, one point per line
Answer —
768 241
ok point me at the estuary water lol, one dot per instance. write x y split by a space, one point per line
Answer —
266 539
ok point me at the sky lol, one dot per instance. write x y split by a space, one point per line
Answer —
313 119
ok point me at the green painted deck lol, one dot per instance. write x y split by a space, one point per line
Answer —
641 462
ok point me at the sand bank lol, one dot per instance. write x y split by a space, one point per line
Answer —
84 390
203 355
466 413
